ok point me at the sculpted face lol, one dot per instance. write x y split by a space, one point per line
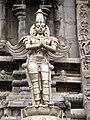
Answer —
40 27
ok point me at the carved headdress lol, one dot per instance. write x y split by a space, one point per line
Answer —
39 16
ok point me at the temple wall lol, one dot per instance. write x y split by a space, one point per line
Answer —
67 28
65 22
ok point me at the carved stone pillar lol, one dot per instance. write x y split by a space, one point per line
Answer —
20 13
83 30
2 20
58 9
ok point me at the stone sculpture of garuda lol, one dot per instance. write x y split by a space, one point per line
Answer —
38 46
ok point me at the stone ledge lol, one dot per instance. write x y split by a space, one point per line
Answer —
67 60
10 118
24 99
78 113
6 58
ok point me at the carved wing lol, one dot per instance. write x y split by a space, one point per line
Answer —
18 50
62 50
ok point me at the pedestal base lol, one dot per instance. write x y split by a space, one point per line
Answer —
41 112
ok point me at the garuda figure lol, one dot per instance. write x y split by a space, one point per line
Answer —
39 45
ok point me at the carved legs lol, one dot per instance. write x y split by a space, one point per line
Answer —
36 91
45 83
34 78
39 76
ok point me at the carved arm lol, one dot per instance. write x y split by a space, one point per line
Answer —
53 46
28 43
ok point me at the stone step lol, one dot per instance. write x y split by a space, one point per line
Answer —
25 95
6 58
19 103
19 73
10 118
78 114
23 82
74 78
66 79
24 98
74 98
67 60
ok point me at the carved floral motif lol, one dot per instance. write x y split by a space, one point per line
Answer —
83 11
84 45
84 26
84 42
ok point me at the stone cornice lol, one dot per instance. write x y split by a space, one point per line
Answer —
82 1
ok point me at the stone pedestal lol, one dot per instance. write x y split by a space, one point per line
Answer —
41 112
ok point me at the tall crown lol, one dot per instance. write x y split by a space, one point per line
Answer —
39 16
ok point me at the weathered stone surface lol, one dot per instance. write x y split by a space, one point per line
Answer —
77 114
41 111
6 58
64 17
10 118
73 98
3 95
2 20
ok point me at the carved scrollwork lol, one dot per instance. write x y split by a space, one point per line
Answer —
83 11
86 62
87 94
85 47
84 42
84 25
84 28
